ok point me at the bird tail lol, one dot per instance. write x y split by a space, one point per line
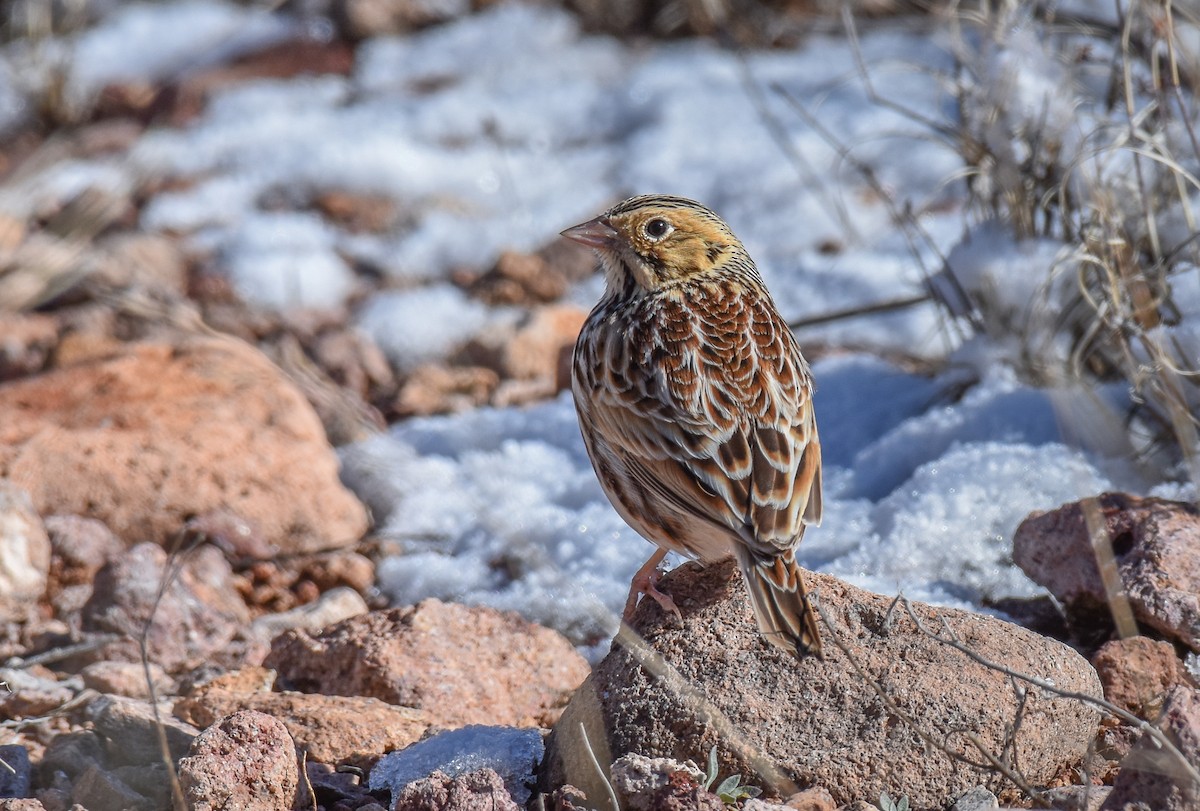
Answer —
781 605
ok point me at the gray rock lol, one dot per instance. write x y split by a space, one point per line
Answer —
782 723
510 752
977 799
16 775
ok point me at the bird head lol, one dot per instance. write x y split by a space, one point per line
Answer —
658 242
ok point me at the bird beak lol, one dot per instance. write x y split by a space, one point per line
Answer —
597 233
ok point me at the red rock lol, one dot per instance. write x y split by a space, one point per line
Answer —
1137 672
245 762
478 791
332 729
126 679
537 350
436 389
520 279
1149 777
160 433
195 617
794 714
1156 549
460 665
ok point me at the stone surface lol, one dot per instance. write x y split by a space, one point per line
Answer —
511 753
158 433
1078 798
977 799
245 762
542 345
435 389
1137 671
1156 550
482 790
642 783
458 664
811 799
26 804
24 552
26 340
100 790
1150 778
130 731
16 775
775 719
332 729
331 607
195 616
126 679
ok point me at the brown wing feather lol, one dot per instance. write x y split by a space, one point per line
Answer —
727 437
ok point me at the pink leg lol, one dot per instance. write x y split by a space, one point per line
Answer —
645 582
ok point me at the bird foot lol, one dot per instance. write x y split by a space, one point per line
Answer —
646 582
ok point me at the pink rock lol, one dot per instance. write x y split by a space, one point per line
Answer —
1149 777
149 437
1156 552
244 762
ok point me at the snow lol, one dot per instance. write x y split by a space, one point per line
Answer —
500 506
497 130
511 752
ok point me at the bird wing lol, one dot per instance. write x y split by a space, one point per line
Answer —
721 426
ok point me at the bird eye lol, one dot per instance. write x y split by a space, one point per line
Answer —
657 228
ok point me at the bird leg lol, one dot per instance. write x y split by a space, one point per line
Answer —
646 582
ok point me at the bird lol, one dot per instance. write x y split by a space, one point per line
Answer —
696 409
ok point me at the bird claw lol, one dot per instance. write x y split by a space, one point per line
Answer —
646 582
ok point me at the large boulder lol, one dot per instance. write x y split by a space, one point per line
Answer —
156 434
784 724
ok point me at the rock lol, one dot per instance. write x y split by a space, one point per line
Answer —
28 692
459 664
21 805
16 775
329 571
542 345
195 617
357 212
126 679
511 754
140 260
520 279
1137 671
478 791
26 341
80 546
245 761
1150 778
73 753
24 553
161 432
99 790
1077 798
334 789
332 729
977 799
1156 549
790 715
644 784
331 607
810 799
437 389
130 731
